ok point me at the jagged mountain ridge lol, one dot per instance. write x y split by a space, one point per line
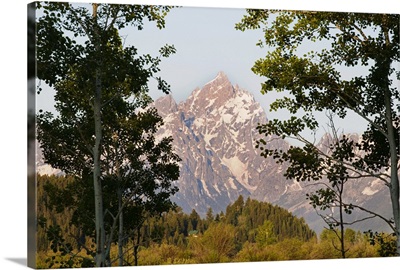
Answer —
214 132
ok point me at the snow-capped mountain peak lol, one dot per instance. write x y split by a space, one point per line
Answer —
214 133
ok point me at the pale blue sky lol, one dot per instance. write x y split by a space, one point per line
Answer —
206 43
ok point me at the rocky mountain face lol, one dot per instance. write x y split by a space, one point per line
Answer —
369 193
214 132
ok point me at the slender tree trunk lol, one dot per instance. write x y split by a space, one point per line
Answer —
121 230
98 194
342 250
394 177
340 189
393 147
136 247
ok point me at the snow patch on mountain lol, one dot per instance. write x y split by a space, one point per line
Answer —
373 188
232 184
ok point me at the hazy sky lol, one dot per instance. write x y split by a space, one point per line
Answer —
206 43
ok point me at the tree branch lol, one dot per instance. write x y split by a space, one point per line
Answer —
357 111
374 214
361 33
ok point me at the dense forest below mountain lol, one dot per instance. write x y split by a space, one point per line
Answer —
247 231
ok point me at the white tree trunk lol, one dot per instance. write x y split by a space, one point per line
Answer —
98 195
394 177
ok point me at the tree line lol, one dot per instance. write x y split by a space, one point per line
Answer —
247 231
